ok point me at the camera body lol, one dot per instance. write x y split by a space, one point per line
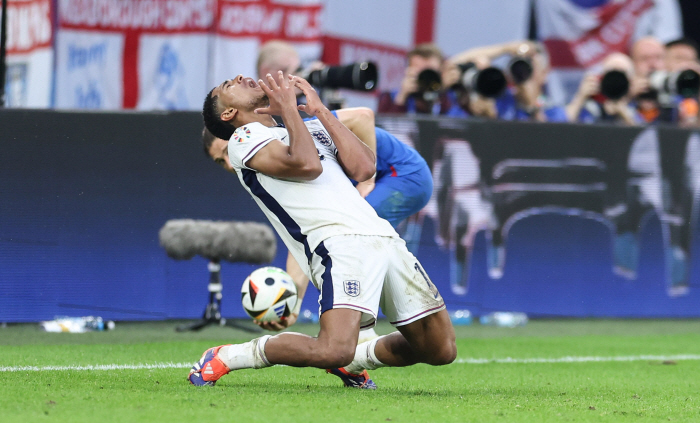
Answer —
429 82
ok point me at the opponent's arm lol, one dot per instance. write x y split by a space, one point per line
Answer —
360 120
302 282
297 161
356 159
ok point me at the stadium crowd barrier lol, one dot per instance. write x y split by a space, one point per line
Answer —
548 219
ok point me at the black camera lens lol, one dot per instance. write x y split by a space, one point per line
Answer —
490 82
360 76
688 83
520 69
614 84
428 80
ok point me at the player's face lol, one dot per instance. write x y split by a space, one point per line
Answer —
219 152
239 93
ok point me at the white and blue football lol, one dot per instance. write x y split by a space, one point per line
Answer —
269 294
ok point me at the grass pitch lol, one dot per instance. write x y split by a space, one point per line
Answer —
547 371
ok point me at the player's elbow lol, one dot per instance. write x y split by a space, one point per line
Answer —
365 114
364 171
310 171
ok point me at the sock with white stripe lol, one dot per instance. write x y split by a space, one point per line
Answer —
249 355
365 358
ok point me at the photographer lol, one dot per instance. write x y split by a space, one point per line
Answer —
409 97
681 60
606 97
278 55
681 54
526 72
670 81
527 99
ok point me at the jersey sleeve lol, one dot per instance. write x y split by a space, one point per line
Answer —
246 141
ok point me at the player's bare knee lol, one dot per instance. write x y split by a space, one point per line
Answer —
443 354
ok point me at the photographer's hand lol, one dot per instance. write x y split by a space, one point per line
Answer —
621 109
409 85
590 85
638 85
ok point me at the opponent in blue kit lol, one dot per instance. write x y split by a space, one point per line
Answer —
403 184
298 175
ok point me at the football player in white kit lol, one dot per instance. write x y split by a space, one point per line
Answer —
298 174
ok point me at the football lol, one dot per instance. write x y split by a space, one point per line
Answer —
269 294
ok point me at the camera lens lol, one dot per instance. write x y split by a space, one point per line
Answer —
429 80
688 83
360 76
490 82
520 69
614 85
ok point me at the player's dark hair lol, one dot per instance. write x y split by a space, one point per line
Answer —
684 42
212 118
207 140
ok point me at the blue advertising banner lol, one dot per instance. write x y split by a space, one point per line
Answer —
551 220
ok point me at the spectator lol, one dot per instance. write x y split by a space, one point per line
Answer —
651 60
681 54
408 99
647 55
277 55
522 101
589 105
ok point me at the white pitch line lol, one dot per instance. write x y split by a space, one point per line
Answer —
510 360
97 367
507 360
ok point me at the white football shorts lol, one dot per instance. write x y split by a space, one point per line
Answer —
364 273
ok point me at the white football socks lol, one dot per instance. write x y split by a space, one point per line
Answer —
249 355
365 358
367 335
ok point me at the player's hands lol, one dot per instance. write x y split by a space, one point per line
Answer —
280 93
365 187
278 326
313 105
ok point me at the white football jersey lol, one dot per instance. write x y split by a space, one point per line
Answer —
304 213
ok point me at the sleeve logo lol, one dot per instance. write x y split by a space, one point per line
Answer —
241 134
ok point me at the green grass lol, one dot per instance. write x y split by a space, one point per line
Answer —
648 390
